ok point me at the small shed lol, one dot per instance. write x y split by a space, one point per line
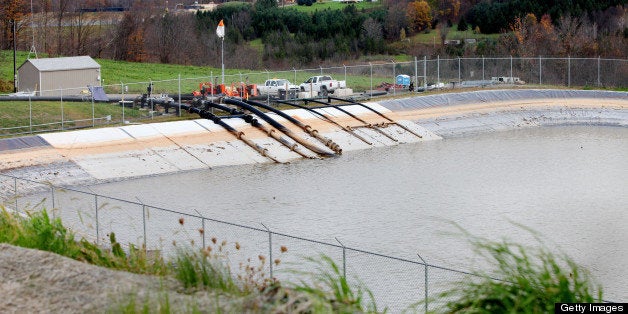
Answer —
58 76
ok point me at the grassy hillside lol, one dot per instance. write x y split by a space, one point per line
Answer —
333 6
433 37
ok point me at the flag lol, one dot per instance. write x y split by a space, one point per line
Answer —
220 30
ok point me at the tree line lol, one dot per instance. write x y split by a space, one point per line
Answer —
263 34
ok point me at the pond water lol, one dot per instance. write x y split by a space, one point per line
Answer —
568 184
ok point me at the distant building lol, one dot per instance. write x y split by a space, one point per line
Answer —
48 76
196 7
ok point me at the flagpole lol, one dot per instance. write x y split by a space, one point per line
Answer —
220 31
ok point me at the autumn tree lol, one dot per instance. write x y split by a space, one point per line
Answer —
448 10
129 37
534 37
394 21
11 11
419 15
577 36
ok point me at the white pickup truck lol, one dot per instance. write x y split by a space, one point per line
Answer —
273 86
322 84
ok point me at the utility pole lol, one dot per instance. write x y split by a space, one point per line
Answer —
14 61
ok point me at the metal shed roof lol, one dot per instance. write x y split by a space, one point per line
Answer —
64 63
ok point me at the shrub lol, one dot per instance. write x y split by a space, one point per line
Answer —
530 282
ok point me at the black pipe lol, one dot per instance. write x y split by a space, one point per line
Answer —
368 125
308 129
239 135
326 118
250 119
279 126
375 111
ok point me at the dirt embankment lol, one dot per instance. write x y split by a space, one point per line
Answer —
33 281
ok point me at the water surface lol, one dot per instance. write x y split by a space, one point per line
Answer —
567 183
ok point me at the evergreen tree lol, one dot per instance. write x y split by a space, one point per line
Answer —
462 25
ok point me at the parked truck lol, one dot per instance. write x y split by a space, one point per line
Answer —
275 87
322 84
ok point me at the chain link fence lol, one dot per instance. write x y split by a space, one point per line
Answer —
69 111
397 284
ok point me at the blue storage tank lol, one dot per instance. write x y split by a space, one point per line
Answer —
403 79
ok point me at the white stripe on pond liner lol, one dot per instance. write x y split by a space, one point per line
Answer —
141 131
125 165
84 137
178 127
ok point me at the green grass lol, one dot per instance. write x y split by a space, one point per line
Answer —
196 270
329 283
532 281
47 115
331 5
433 36
202 269
39 231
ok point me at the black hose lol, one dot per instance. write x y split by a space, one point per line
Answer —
250 119
377 112
329 143
278 126
326 118
368 125
239 135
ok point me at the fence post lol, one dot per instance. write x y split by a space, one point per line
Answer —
371 91
568 71
459 70
270 250
295 75
344 258
52 192
144 225
394 78
437 69
482 67
61 96
97 224
426 282
416 72
93 111
424 73
211 81
122 99
30 115
598 71
150 97
15 192
179 94
540 70
321 69
202 226
511 75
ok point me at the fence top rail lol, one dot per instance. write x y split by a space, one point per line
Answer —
369 64
240 225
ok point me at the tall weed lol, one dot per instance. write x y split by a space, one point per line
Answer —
332 289
531 280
